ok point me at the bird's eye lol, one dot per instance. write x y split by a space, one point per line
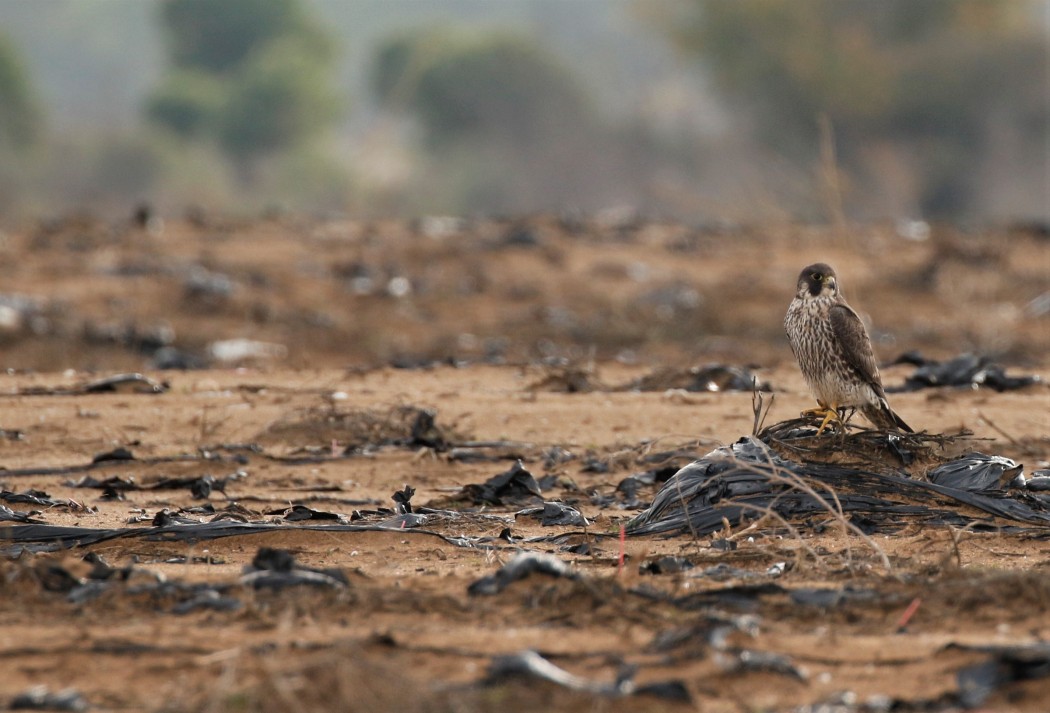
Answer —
817 276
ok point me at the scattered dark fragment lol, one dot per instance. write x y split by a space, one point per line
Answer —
555 456
110 494
129 383
88 591
741 482
712 377
512 486
1038 483
723 572
827 598
977 472
963 370
569 379
1006 665
867 525
9 515
552 481
582 548
56 578
117 454
40 698
426 433
403 499
673 690
102 570
554 513
405 520
166 518
298 513
748 660
521 236
31 497
200 488
524 564
114 483
593 464
173 358
668 564
744 597
207 599
723 545
273 559
531 664
274 568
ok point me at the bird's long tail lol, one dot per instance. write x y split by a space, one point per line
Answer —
885 418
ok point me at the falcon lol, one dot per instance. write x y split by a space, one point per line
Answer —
834 352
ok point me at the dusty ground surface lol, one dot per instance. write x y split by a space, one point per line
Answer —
522 339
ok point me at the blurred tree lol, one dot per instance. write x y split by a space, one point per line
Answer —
19 111
218 37
926 77
253 75
187 103
505 126
280 97
478 87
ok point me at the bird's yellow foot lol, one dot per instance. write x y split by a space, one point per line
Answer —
831 414
828 413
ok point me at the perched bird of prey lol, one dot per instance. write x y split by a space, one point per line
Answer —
834 352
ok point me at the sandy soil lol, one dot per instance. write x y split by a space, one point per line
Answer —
495 319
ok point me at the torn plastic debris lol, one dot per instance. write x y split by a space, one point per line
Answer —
531 664
554 513
125 383
523 565
977 471
964 370
740 482
513 485
1007 664
41 698
16 539
275 568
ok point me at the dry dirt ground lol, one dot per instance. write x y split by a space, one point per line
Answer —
523 340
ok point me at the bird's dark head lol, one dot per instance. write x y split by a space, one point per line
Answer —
816 280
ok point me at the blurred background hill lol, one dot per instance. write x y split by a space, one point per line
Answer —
701 110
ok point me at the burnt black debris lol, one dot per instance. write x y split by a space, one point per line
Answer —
275 568
33 497
403 499
514 486
668 564
117 454
299 513
42 698
977 471
964 370
1005 665
741 482
19 538
524 564
131 383
200 487
530 664
747 660
125 383
555 513
712 377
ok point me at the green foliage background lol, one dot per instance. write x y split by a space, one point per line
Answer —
699 109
